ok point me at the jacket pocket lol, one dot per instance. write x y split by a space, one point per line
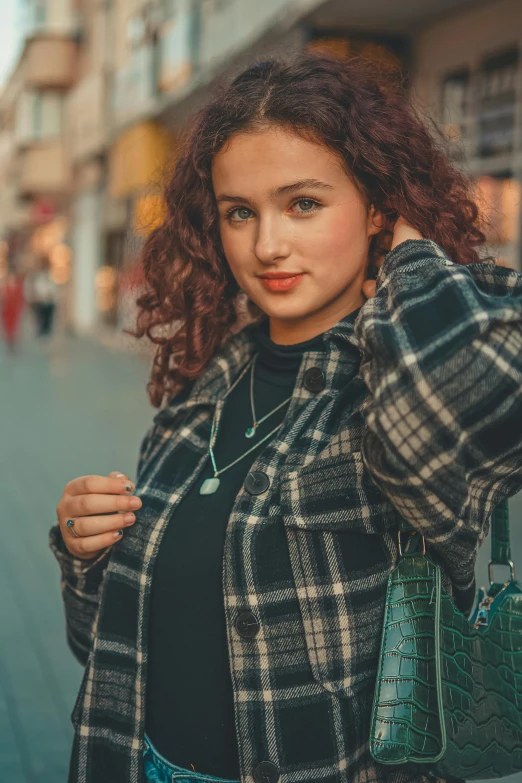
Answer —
336 493
341 535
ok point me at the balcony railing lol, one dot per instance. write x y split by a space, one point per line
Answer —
50 63
44 169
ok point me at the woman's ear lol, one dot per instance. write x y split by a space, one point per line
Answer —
376 221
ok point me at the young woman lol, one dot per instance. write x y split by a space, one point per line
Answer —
229 611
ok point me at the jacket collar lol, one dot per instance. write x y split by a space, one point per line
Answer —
225 366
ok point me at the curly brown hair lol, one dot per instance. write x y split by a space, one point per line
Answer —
192 303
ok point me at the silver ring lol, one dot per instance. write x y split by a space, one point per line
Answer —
70 525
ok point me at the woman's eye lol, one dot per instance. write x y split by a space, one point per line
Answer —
306 204
239 214
242 214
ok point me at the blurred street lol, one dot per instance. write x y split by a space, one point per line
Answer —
69 408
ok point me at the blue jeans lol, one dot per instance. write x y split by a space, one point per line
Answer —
159 770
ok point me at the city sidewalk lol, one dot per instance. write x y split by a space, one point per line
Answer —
116 340
67 408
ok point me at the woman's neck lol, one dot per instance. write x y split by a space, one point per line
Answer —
287 332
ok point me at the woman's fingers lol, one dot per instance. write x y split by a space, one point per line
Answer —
402 231
105 485
368 288
93 512
95 526
89 505
88 547
117 474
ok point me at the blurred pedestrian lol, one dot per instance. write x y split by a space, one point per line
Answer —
42 293
11 307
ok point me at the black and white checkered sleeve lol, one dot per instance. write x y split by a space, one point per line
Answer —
441 351
80 582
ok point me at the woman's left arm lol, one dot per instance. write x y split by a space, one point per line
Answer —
442 358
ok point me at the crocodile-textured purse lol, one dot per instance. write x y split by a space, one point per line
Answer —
448 696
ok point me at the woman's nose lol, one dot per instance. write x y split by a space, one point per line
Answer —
271 242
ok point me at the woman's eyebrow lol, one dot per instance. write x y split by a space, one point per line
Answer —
281 190
302 183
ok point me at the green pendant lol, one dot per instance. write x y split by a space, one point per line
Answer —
209 486
251 431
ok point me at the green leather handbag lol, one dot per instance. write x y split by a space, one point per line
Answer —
448 696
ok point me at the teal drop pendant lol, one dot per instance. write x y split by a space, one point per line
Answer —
251 431
209 486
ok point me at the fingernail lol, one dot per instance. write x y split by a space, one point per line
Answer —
120 475
135 503
128 487
118 533
129 518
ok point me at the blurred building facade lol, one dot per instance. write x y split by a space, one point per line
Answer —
93 111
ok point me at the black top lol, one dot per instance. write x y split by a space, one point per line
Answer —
190 717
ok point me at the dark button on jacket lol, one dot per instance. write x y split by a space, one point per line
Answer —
257 482
266 772
247 624
314 379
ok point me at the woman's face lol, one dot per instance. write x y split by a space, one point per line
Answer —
286 205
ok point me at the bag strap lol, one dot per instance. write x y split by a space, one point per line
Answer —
500 545
500 541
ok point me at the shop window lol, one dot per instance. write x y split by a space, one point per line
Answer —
498 199
455 105
496 103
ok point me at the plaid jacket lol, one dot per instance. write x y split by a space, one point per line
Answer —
421 417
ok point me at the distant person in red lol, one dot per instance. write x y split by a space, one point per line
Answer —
11 306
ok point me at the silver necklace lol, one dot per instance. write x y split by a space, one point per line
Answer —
211 485
251 431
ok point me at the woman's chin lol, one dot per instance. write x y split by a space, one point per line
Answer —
283 308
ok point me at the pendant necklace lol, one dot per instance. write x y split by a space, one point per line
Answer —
211 485
251 431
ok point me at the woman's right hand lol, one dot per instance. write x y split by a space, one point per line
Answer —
100 508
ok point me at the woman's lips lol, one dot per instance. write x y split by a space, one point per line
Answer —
280 283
